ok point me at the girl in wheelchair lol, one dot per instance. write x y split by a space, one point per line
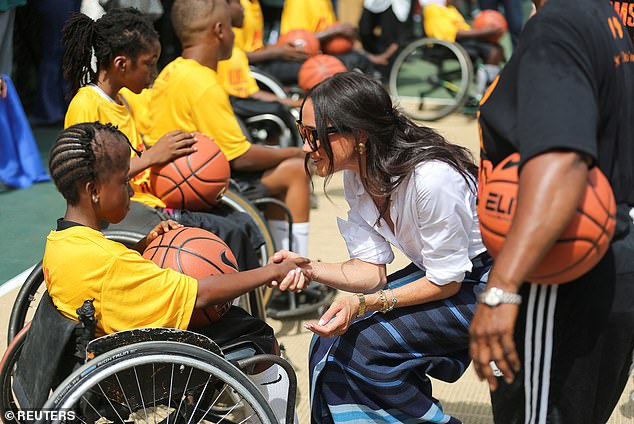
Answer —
90 165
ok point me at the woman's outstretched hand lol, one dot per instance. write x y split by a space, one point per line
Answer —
337 318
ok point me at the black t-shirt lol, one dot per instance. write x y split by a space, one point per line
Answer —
569 86
625 10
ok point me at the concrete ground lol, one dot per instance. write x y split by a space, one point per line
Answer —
467 399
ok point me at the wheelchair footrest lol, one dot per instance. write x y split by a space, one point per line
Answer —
287 304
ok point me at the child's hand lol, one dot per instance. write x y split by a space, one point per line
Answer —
171 146
289 272
294 280
161 228
290 52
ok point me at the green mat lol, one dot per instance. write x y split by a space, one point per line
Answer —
27 216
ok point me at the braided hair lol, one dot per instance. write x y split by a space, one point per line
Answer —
120 31
82 153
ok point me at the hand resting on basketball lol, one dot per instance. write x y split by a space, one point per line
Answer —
171 146
160 228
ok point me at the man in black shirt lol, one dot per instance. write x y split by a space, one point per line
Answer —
565 102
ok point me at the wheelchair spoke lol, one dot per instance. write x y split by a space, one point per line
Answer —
91 405
123 393
154 390
136 377
198 401
109 402
170 392
184 391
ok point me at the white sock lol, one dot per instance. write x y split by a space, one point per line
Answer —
273 383
485 75
279 232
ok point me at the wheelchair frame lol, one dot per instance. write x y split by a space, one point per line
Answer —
119 359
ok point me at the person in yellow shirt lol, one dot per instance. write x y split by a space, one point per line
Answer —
246 98
318 16
187 94
443 21
110 97
90 165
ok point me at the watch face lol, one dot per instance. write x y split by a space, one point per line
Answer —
490 298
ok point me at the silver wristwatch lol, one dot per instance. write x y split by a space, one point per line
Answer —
494 297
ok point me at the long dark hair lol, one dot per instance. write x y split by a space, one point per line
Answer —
354 103
120 31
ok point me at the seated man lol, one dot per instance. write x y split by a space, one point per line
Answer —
188 95
246 97
446 23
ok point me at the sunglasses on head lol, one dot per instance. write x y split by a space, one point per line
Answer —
310 136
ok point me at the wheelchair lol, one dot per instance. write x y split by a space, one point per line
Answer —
431 79
157 374
267 126
31 291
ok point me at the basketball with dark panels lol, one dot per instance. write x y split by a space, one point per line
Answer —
199 254
491 18
578 249
337 45
318 68
194 182
301 38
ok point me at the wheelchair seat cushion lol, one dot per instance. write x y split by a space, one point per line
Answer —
47 355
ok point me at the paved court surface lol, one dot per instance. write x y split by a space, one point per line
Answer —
467 399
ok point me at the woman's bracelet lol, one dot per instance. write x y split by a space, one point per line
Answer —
383 298
361 310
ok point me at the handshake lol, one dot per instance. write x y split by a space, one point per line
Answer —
293 272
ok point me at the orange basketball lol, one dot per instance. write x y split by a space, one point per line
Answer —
199 254
337 45
193 182
318 68
578 249
491 18
301 38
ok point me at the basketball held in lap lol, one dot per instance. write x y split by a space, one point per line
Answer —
197 253
194 182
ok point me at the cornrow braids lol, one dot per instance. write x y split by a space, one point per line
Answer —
120 31
82 153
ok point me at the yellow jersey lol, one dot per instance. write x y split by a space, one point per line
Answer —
91 104
250 36
311 15
235 76
129 291
443 22
138 104
187 95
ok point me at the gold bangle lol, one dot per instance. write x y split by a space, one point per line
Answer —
361 311
383 299
394 300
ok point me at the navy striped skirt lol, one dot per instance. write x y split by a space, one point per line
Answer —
378 370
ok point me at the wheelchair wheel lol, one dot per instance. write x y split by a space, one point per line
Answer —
431 78
31 291
8 403
158 381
